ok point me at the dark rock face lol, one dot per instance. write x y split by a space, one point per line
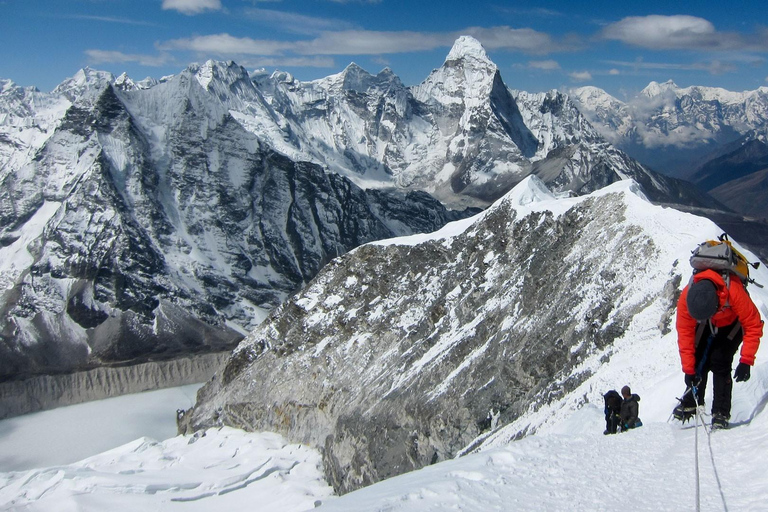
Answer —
143 240
748 158
395 356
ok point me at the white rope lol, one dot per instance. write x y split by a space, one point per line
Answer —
700 411
699 414
696 457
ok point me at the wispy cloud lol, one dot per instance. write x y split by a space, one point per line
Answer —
297 23
546 65
286 62
715 67
114 57
109 19
580 76
192 6
680 32
524 40
367 42
540 12
381 61
227 45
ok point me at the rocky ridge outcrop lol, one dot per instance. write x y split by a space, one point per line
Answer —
401 354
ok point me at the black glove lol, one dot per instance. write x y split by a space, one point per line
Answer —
742 373
692 380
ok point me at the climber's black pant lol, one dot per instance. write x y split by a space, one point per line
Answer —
719 361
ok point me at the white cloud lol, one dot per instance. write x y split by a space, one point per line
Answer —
102 56
672 32
580 76
366 42
525 40
192 6
547 65
357 42
614 71
225 44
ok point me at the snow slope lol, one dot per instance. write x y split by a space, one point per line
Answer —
224 470
652 468
574 467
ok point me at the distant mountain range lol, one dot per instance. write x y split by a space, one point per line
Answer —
142 220
712 137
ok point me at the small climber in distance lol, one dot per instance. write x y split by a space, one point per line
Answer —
630 410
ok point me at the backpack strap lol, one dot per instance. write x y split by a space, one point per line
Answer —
734 331
727 279
699 332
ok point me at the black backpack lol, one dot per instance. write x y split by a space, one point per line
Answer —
612 402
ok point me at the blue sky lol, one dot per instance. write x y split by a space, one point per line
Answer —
618 46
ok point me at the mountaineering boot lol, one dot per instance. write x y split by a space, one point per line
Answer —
683 413
719 421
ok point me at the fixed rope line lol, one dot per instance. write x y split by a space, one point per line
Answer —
712 459
696 448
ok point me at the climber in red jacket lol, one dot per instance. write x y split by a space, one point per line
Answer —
713 318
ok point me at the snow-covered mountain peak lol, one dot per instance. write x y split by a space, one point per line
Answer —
467 47
124 82
355 78
531 190
83 82
594 97
656 89
467 75
283 77
6 85
226 72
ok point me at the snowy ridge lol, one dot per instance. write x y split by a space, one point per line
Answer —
514 314
719 94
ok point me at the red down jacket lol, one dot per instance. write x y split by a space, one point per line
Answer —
739 306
